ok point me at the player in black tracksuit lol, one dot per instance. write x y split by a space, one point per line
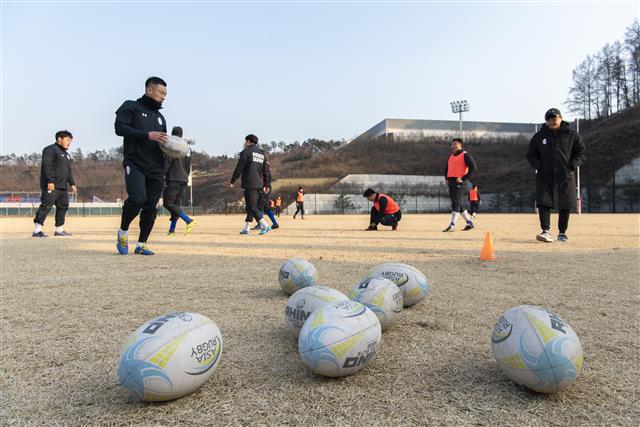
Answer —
56 179
252 167
143 128
176 178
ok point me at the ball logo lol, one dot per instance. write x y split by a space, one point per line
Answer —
544 141
397 297
557 323
364 284
156 324
363 357
395 276
160 120
297 314
205 354
185 317
502 330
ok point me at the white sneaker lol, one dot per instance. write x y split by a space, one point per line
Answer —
545 236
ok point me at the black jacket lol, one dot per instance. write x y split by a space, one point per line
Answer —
134 121
556 154
56 168
468 159
253 168
178 169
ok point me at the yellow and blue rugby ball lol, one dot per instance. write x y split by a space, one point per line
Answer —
170 356
536 348
339 339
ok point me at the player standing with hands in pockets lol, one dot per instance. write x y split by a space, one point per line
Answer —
253 167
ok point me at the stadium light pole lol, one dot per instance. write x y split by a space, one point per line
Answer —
578 192
460 107
190 179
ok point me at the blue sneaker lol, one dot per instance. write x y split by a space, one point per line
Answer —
144 250
244 232
122 243
265 230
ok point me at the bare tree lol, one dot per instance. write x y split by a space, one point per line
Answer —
582 94
632 46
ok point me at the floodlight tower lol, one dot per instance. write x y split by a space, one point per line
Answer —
460 107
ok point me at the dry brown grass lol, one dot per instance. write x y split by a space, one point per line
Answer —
67 305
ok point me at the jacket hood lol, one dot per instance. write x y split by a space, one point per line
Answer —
564 127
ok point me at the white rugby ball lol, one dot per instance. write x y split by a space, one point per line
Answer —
170 356
307 300
175 147
382 296
339 339
536 348
413 284
296 274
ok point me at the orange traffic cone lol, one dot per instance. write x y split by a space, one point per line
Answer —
488 252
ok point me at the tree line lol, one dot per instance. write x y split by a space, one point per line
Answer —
608 81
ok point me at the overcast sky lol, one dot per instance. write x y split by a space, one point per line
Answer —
288 71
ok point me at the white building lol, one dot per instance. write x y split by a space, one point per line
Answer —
404 129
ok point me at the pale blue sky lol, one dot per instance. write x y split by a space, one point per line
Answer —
288 71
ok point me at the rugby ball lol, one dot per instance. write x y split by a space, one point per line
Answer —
339 339
175 147
536 348
170 356
296 274
305 301
413 284
382 296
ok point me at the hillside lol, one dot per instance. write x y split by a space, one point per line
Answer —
611 142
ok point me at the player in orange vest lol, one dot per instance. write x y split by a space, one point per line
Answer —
299 203
384 211
278 205
459 168
474 200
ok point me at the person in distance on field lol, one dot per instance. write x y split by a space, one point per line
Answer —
278 205
384 211
299 203
459 168
265 204
56 180
474 201
252 167
555 152
143 128
176 179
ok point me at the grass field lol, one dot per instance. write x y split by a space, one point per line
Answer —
68 305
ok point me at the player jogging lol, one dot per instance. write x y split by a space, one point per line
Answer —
142 127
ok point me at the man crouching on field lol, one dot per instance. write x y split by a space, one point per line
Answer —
384 211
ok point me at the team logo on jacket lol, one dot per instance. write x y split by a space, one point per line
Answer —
160 120
544 141
258 158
